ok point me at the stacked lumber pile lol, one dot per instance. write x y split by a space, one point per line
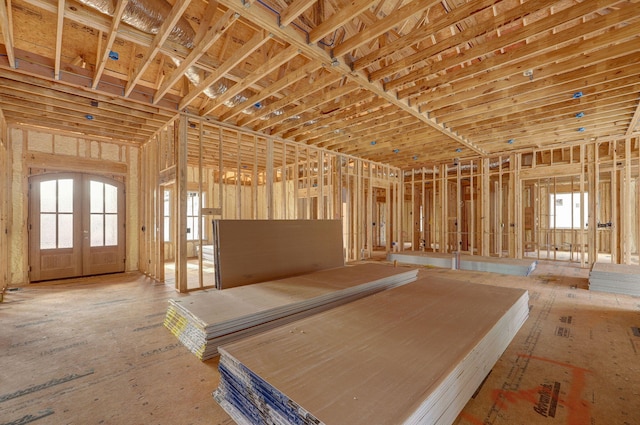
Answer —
508 266
615 278
410 355
204 320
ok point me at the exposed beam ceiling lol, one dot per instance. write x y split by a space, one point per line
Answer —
406 82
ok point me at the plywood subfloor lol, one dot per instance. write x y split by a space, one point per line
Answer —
96 352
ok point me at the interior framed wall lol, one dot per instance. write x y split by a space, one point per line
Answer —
245 175
510 205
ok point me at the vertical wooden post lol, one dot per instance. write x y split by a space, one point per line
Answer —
471 238
615 200
581 238
269 183
369 212
517 210
284 178
202 228
594 202
320 174
181 203
500 210
412 225
444 207
459 198
254 181
627 212
433 209
485 208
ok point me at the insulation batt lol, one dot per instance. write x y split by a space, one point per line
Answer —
147 16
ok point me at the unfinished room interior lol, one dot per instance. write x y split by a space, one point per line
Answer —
429 209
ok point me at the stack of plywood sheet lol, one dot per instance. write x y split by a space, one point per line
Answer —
466 262
616 278
410 355
202 321
253 251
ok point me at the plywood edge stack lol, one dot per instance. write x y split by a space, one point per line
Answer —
410 355
202 321
615 278
508 266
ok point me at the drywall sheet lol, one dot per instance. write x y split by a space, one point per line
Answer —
414 354
252 251
466 262
204 320
615 278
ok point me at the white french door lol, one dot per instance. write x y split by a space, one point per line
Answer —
76 226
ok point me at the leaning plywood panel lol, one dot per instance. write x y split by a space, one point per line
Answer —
251 251
410 355
202 321
466 262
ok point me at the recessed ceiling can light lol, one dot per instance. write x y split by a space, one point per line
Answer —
458 149
577 95
510 141
581 129
580 115
89 116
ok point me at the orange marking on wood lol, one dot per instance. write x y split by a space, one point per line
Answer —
471 419
579 409
567 365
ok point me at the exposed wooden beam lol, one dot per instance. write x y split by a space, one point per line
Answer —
338 19
96 20
546 77
284 82
259 73
58 51
634 121
543 25
212 34
311 132
113 32
422 33
163 33
382 26
322 97
258 39
319 83
295 9
261 17
6 26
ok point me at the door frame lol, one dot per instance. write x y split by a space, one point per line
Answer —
81 255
